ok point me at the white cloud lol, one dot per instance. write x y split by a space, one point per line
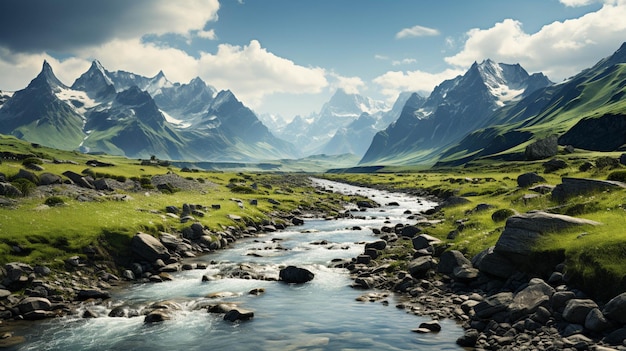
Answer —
252 72
208 34
577 3
416 31
559 49
394 82
350 85
406 61
381 57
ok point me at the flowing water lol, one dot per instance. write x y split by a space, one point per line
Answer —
320 315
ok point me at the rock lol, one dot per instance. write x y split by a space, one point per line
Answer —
615 309
576 310
468 339
49 179
542 148
454 201
157 316
493 304
9 190
596 321
622 159
88 313
450 260
418 267
571 187
616 337
528 300
465 274
30 176
293 274
366 204
78 179
522 231
297 221
432 326
30 304
87 294
377 245
494 263
554 165
527 179
410 231
560 299
542 188
148 247
238 314
425 241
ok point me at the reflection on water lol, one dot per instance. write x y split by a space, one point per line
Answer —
319 315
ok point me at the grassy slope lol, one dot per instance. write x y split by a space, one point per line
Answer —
596 259
49 234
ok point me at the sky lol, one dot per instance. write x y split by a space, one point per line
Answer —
288 57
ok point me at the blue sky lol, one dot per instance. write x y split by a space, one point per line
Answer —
289 56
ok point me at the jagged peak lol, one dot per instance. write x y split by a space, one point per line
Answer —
197 81
47 75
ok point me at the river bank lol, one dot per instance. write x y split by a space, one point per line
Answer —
499 301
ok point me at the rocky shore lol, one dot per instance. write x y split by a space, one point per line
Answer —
506 298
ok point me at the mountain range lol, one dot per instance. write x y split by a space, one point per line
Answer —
494 110
127 114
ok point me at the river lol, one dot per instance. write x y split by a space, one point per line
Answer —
320 315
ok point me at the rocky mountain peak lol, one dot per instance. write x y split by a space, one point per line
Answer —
95 82
47 77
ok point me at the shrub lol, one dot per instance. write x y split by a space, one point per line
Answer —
54 201
121 178
242 190
32 161
620 176
607 162
502 214
24 185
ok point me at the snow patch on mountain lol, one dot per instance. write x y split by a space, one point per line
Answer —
76 99
174 121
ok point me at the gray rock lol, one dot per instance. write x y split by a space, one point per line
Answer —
522 231
238 314
527 179
148 247
494 263
30 176
542 148
616 337
560 299
78 179
454 201
9 190
49 178
157 316
493 304
571 187
576 310
554 165
293 274
410 231
418 267
425 241
30 304
596 321
465 274
450 260
469 338
528 300
542 188
378 245
615 309
87 294
622 159
432 326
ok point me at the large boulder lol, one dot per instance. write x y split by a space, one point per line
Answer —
49 178
78 179
615 309
9 190
297 275
238 314
419 266
571 187
522 231
493 304
542 148
30 176
576 310
30 304
494 263
148 247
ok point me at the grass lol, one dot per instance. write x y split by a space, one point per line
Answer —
595 256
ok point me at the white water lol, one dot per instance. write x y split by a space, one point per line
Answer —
320 315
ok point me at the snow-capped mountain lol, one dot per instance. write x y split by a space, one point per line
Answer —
119 113
454 108
342 109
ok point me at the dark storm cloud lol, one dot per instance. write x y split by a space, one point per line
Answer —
63 25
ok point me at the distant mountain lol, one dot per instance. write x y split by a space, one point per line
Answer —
127 114
356 137
316 130
455 108
38 113
587 111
